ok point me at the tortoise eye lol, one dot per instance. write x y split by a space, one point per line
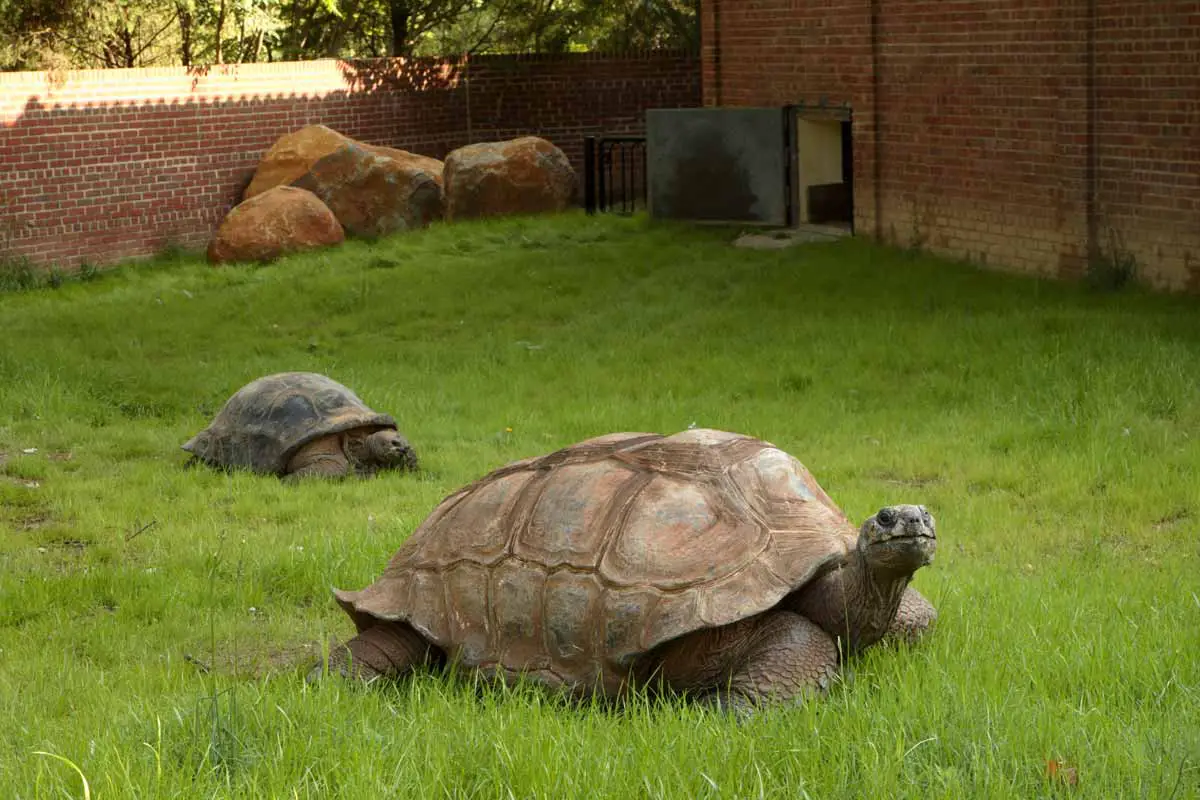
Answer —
886 517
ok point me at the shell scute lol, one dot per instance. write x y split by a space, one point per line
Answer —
426 595
672 534
570 604
467 628
516 605
568 523
622 626
473 525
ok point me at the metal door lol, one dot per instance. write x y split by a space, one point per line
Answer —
720 164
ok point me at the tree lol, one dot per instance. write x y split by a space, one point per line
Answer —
39 34
27 34
509 26
120 33
645 24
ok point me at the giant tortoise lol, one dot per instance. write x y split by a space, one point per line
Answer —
707 562
300 424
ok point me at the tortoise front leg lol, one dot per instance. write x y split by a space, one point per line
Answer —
323 458
776 657
385 650
913 618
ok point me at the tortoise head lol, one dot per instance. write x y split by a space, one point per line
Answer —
898 539
388 449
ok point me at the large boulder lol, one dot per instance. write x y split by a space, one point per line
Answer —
291 156
281 220
375 191
528 175
430 165
295 153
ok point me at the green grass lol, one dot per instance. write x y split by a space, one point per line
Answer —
1054 431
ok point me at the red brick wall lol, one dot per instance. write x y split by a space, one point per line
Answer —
569 99
99 165
982 106
1148 132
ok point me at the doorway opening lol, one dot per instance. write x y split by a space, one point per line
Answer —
823 169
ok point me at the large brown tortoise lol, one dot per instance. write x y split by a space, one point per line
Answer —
709 562
301 424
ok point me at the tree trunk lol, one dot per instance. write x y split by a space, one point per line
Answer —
185 33
220 31
400 13
112 46
127 47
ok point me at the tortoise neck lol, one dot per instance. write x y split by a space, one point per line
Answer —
854 603
875 593
355 445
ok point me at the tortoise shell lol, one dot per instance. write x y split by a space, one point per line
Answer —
266 421
569 566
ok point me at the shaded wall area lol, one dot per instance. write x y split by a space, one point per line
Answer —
100 165
1039 135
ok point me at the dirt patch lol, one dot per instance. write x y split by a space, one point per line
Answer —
916 481
789 237
32 521
1168 520
254 663
28 483
72 545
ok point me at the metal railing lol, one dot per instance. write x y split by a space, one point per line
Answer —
614 178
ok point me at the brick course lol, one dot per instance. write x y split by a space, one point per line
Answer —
977 132
99 165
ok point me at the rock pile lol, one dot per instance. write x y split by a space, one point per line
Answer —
315 185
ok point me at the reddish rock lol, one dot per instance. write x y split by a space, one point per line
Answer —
295 153
281 220
520 176
430 165
291 156
374 191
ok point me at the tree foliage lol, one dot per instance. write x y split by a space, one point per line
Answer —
49 34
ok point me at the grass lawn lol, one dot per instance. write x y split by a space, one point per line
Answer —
152 618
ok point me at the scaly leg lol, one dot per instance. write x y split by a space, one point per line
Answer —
913 618
323 458
776 657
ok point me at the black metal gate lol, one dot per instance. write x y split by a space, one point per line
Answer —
614 174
